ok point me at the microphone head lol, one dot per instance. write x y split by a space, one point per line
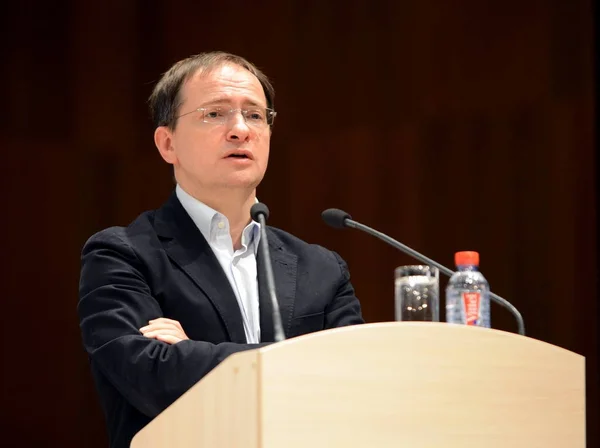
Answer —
335 217
259 209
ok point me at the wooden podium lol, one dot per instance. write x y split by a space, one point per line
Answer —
384 385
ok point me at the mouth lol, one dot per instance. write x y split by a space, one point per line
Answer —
240 154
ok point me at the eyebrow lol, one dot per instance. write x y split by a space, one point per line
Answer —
226 100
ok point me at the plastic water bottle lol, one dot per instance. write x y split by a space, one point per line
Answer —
468 293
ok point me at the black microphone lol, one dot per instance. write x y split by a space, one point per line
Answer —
340 219
260 213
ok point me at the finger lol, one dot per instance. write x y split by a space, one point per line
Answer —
165 319
172 322
159 326
168 339
168 332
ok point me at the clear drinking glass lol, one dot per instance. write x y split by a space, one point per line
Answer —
417 293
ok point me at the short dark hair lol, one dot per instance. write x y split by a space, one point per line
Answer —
165 100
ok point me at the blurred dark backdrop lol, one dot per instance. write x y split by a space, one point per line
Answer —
449 125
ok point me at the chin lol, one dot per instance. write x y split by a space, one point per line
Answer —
243 182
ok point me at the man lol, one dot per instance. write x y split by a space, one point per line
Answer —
167 298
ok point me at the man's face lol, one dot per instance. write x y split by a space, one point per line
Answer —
210 156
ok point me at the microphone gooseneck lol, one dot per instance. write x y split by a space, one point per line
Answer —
339 219
259 213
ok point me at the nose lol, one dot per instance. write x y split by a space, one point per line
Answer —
238 128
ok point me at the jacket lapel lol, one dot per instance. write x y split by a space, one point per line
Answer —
186 246
285 267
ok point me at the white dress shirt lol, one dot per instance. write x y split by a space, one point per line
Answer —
239 266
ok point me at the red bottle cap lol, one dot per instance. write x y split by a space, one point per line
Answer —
466 257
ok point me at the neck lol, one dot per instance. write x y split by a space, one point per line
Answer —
234 203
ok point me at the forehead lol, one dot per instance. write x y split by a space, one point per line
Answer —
224 83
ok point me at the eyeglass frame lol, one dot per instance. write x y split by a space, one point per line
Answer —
270 114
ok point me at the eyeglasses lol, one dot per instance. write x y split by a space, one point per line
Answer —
257 117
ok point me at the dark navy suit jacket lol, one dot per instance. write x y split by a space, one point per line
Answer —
161 266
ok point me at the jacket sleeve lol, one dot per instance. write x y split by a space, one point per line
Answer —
115 300
344 309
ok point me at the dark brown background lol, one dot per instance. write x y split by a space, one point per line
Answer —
457 127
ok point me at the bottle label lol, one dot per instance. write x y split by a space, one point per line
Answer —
472 307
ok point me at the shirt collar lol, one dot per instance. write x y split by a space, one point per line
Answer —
207 219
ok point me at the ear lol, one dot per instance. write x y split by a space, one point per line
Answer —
163 139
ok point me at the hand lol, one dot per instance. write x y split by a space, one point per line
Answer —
166 330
